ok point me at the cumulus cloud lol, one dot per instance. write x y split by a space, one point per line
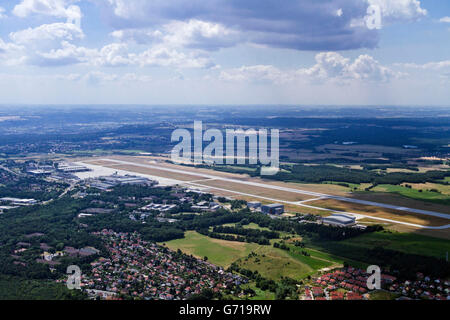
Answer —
302 25
47 32
162 56
56 8
111 55
399 10
329 67
194 34
332 65
445 20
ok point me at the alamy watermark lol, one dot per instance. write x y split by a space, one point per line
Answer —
374 18
74 280
374 280
234 149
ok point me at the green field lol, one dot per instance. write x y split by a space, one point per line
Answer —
274 263
404 242
219 252
412 193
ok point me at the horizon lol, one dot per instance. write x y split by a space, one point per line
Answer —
371 52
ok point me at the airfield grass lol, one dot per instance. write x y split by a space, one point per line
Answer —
367 210
415 193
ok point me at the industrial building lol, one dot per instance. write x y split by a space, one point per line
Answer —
275 208
71 167
340 220
109 182
19 202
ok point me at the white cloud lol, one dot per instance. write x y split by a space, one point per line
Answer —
445 20
395 10
2 13
194 33
10 53
166 57
68 54
329 67
333 66
436 65
47 32
55 8
258 73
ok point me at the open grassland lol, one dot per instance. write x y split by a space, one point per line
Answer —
260 294
219 252
271 262
443 189
379 212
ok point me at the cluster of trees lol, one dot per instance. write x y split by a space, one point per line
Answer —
247 232
31 188
286 288
16 288
322 173
281 246
230 237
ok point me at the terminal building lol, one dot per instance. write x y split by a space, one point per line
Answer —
340 220
67 167
273 209
109 182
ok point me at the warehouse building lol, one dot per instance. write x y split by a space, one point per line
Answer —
340 220
67 167
273 209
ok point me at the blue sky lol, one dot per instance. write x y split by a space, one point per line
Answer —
332 52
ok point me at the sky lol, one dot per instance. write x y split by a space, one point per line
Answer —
220 52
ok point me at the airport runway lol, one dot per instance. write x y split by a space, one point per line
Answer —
292 190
